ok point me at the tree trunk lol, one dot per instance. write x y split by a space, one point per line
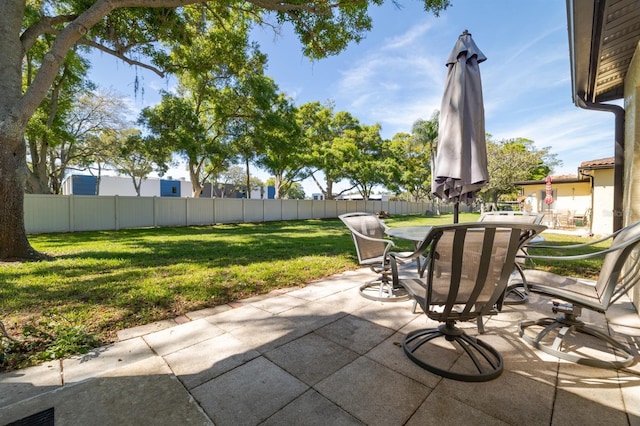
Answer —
38 180
278 186
329 194
246 161
195 182
14 244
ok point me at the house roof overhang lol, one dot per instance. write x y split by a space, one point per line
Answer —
556 181
603 35
603 163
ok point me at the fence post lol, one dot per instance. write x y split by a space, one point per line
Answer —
116 212
155 211
186 211
72 224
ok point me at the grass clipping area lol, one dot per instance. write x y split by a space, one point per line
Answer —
100 282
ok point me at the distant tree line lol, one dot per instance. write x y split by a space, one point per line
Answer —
218 131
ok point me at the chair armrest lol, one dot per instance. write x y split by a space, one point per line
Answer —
398 258
388 243
572 246
583 256
379 240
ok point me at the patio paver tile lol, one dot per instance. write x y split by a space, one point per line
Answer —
573 409
29 382
102 360
268 333
390 354
355 333
238 317
182 336
216 356
511 398
312 409
276 305
311 358
374 394
446 410
238 396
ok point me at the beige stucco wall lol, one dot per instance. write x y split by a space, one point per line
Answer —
602 202
631 197
575 196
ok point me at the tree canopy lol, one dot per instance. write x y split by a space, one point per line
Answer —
143 33
514 160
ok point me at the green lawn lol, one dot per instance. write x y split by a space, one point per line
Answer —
102 282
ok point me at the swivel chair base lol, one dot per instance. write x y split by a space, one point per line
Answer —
518 292
487 360
382 290
565 325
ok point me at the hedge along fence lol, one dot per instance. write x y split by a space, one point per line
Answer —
71 213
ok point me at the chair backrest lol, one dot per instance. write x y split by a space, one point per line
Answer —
516 216
469 266
614 280
368 232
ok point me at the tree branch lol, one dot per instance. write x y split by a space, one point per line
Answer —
121 56
43 26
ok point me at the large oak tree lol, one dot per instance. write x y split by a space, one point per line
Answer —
137 31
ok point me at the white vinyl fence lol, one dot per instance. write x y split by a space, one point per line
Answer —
71 213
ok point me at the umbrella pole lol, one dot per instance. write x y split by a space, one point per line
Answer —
455 212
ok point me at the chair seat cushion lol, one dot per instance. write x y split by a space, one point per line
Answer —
378 260
415 287
581 291
373 261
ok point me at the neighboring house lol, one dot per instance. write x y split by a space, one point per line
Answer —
153 187
379 197
571 197
600 174
585 200
120 185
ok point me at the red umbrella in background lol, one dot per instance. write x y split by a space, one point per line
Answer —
548 199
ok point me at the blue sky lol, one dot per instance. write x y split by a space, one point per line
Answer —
396 75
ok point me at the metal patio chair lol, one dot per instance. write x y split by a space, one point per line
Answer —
516 294
558 336
372 248
467 268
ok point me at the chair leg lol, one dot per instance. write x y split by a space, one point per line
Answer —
565 325
514 295
480 324
487 361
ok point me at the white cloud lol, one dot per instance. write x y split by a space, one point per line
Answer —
573 134
408 38
395 84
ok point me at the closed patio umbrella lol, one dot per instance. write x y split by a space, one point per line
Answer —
548 199
461 162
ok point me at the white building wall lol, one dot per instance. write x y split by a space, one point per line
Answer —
149 188
631 187
186 189
120 185
602 202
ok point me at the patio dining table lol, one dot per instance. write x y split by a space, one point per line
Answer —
417 234
411 233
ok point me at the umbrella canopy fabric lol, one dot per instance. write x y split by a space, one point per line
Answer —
548 199
461 162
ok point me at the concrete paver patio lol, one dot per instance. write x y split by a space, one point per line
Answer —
319 355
